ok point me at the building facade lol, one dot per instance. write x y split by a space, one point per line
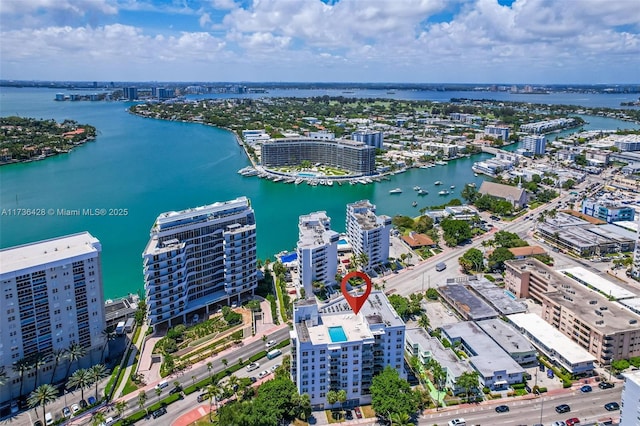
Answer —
535 144
334 349
52 299
317 251
630 400
368 233
374 138
355 157
197 258
603 327
498 132
607 211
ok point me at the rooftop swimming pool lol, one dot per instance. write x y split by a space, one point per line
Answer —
342 241
511 295
301 174
337 334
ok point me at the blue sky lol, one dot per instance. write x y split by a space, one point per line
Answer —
423 41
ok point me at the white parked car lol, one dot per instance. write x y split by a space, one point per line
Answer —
253 366
275 367
263 374
270 343
457 422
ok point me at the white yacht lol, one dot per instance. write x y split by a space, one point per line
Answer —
438 182
395 191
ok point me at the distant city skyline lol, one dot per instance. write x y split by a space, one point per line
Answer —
413 41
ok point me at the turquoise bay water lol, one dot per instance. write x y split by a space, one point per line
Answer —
149 167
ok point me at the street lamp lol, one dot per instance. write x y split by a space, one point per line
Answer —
541 403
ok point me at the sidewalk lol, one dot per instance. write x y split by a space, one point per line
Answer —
130 361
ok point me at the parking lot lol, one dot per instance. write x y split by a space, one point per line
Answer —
439 315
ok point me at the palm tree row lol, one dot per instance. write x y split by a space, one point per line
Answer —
85 377
37 360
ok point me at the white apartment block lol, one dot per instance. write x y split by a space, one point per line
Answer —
52 298
499 132
630 400
334 349
199 258
447 149
368 233
317 250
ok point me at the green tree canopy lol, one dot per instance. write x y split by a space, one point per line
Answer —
392 395
455 231
508 240
498 257
472 259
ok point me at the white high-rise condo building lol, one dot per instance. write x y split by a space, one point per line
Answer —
368 233
334 349
536 144
317 250
630 400
52 298
197 258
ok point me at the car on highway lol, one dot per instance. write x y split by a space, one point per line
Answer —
586 389
202 397
83 403
275 367
263 374
159 412
605 385
253 366
457 422
612 406
559 423
572 421
66 412
563 408
75 408
270 343
38 423
502 409
91 400
348 415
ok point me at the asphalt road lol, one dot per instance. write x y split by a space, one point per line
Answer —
185 379
587 407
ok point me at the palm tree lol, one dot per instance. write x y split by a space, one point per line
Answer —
42 395
21 366
234 383
214 391
99 418
342 397
80 379
57 355
401 419
424 321
142 399
3 377
224 362
363 260
37 361
121 406
97 373
75 353
108 335
158 393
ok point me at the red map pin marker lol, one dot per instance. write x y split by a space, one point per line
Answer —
356 302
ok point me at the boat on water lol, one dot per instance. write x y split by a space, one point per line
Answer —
472 184
423 192
414 204
441 163
475 174
416 188
443 192
395 191
453 186
438 182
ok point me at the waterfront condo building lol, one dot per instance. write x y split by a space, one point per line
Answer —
317 251
355 157
334 349
604 327
368 233
52 298
198 258
535 144
498 132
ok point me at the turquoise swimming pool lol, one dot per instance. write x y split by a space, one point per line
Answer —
337 334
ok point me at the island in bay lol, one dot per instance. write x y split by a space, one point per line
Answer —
25 139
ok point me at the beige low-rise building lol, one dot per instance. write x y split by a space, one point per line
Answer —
604 327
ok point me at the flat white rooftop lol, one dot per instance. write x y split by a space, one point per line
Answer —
633 304
18 258
551 337
598 283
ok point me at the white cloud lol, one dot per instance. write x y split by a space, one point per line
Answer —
205 20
